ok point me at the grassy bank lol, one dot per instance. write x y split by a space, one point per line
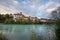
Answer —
3 37
58 29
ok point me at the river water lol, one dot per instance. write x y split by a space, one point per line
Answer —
23 32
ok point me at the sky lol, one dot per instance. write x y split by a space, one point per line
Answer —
36 8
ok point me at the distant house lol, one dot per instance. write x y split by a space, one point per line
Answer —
18 15
43 20
33 18
47 20
25 17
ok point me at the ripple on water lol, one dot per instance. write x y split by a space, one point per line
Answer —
23 32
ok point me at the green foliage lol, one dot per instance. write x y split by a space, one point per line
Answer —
8 19
35 20
2 18
29 20
7 16
56 16
18 21
23 21
3 37
58 29
58 23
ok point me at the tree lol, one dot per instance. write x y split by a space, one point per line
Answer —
58 29
10 21
56 16
7 16
23 21
3 37
35 20
56 13
2 18
29 20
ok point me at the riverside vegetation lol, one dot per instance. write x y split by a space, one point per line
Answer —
3 37
58 29
8 19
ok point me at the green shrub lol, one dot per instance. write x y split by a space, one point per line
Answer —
2 37
58 29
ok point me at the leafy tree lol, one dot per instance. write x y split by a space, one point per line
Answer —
3 37
18 21
56 16
7 16
23 21
2 18
36 20
58 29
10 21
29 20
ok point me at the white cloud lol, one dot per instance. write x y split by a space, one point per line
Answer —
24 2
8 7
29 7
32 6
49 10
16 2
35 1
47 5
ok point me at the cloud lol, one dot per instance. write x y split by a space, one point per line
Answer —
24 2
39 8
49 10
57 1
35 1
10 6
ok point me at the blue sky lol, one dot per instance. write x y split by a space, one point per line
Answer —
38 8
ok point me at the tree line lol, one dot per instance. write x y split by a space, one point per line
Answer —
9 19
56 15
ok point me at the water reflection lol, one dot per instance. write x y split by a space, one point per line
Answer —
46 33
23 32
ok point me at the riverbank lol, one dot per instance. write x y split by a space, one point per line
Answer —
9 19
3 37
30 23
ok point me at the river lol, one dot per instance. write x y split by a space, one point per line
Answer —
23 31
